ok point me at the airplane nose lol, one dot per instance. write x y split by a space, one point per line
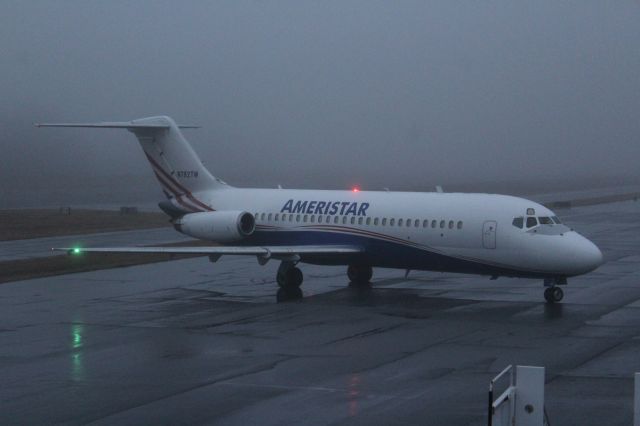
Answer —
587 256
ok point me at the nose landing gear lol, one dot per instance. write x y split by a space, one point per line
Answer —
553 293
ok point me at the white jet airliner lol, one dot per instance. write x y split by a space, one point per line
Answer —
493 235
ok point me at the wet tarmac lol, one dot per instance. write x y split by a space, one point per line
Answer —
190 342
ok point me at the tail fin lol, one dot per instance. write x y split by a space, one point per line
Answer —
175 164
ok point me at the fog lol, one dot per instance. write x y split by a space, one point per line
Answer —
491 96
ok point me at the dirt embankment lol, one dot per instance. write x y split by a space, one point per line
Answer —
23 269
23 224
32 223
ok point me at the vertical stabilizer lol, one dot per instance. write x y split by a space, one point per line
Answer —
174 163
179 171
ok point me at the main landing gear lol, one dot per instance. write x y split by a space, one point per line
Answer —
289 278
553 293
359 274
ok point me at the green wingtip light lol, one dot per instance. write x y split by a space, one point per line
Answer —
76 250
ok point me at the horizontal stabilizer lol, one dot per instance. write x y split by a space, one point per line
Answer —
130 125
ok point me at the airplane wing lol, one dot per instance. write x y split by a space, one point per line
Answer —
264 253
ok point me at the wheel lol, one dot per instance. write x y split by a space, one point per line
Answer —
557 294
294 278
289 277
352 273
359 274
553 294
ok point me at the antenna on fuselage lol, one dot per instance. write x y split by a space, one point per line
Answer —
439 189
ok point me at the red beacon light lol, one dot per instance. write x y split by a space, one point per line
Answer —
355 189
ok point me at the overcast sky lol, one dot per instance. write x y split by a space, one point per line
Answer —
402 94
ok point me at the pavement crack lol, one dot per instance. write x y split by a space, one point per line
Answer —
367 333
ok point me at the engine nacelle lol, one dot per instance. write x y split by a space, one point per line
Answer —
221 226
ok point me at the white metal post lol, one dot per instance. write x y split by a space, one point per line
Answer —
529 396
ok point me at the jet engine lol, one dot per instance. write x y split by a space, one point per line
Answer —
221 226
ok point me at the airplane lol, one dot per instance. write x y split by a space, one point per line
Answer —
473 233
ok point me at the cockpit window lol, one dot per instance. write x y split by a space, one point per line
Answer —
531 222
518 222
556 220
544 220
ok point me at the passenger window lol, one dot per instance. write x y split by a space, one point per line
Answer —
425 223
290 218
353 220
336 219
313 218
556 220
368 221
375 221
277 216
392 221
297 218
518 222
442 223
344 220
531 222
399 222
459 224
384 221
320 219
450 224
269 217
408 222
360 221
434 223
416 223
304 219
544 220
262 216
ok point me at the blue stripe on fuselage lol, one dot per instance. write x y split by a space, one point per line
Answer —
377 252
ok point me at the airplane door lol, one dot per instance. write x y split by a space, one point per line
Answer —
489 234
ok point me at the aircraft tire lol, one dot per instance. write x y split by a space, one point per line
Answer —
289 278
557 294
359 274
553 294
294 278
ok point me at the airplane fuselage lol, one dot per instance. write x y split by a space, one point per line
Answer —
456 232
